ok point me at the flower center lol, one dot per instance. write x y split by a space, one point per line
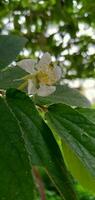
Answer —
46 76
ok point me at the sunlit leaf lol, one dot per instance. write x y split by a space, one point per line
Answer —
78 135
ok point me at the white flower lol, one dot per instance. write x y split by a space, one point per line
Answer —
42 75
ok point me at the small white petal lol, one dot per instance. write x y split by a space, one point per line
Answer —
28 65
44 61
31 87
45 90
58 73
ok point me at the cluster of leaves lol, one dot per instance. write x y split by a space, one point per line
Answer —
61 139
53 26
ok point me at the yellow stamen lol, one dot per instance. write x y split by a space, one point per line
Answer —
46 77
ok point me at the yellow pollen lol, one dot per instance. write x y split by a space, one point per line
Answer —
46 77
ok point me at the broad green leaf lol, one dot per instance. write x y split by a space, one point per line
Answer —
40 143
10 46
89 113
16 182
78 136
63 94
10 77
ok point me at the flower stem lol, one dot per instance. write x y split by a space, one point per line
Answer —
23 85
39 183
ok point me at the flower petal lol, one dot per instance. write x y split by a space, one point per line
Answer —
44 61
28 65
45 90
31 87
58 73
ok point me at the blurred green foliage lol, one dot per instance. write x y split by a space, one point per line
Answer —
65 28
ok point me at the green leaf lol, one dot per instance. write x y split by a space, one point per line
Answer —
78 135
89 113
10 77
40 143
63 94
16 182
10 46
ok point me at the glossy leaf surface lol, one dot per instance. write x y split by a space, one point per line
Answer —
78 135
16 182
64 94
40 143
